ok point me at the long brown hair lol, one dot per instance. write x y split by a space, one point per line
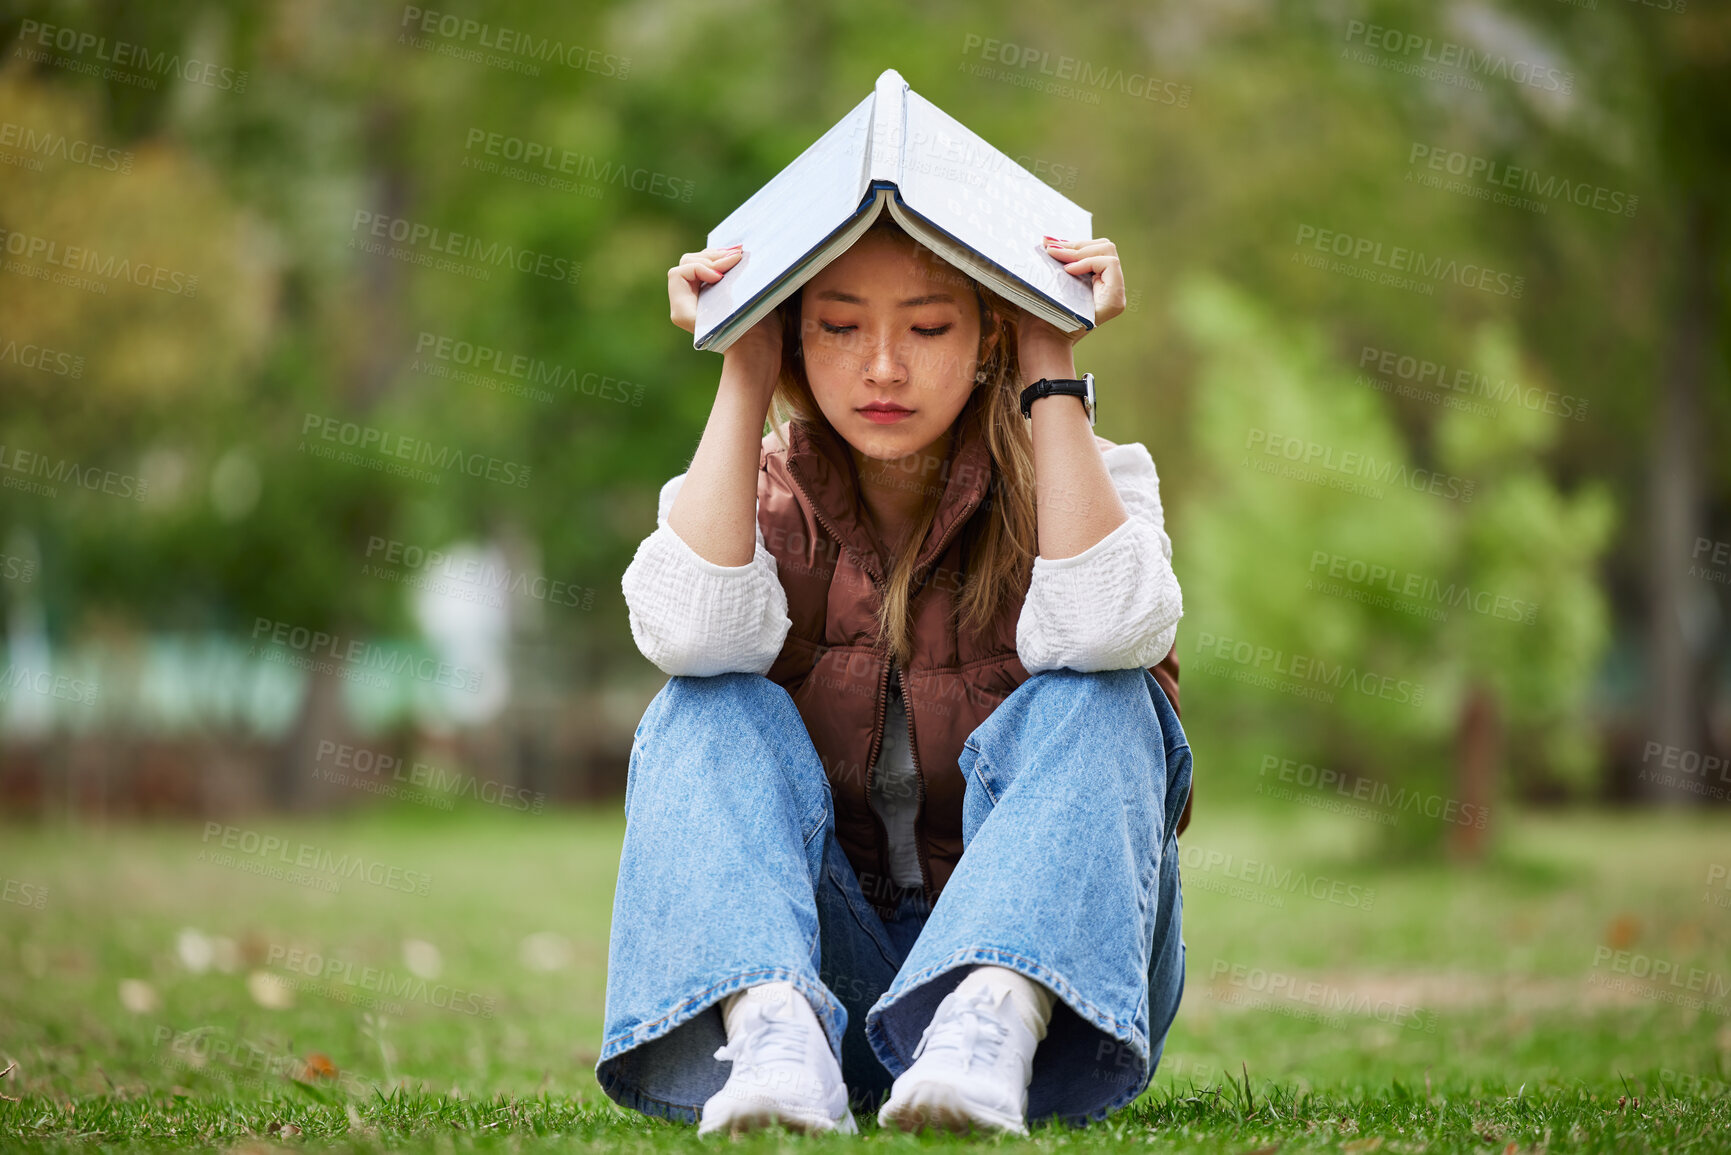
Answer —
1000 546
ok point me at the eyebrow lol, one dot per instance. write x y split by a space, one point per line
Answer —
850 299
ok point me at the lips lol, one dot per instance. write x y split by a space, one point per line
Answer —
884 413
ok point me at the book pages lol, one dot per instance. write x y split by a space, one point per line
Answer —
784 221
991 204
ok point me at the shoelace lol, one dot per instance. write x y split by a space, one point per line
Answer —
779 1035
969 1030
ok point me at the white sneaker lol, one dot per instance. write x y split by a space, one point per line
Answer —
971 1068
783 1070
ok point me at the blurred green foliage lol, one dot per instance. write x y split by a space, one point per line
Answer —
1266 120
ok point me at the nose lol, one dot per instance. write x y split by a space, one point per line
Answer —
883 364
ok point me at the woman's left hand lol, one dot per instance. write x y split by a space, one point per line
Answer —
1097 258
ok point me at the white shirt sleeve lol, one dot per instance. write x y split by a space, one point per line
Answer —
691 616
1115 605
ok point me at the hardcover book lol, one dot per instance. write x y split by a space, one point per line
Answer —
947 188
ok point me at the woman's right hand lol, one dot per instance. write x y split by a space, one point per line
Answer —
758 347
694 271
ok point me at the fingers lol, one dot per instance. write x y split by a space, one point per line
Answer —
709 265
1096 258
691 274
1064 249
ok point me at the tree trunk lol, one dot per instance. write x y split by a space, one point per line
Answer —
1676 639
1478 758
291 770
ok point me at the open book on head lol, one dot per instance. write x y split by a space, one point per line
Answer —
947 188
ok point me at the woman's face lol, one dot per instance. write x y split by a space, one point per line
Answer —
887 323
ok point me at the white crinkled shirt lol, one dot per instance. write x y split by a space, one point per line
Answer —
1114 606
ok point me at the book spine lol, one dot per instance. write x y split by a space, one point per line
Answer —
889 129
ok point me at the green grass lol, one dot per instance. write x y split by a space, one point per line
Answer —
1433 1008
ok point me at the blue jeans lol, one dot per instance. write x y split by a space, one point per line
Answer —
731 875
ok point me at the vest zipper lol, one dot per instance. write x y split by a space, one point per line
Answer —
883 834
913 742
883 700
919 777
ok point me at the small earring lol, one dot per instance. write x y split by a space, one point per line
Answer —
980 377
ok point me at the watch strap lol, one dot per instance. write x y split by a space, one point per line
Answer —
1046 386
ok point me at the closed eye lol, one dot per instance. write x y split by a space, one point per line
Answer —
937 331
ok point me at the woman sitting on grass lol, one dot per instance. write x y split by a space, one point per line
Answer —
889 645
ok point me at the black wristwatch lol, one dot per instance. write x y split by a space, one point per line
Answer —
1046 386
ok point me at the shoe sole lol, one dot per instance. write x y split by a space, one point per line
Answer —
942 1107
757 1118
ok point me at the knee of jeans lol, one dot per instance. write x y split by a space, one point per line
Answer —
1088 695
1091 690
687 704
752 693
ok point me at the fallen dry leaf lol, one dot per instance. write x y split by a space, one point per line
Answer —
1622 932
319 1066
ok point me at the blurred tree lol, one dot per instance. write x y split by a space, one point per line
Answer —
1352 605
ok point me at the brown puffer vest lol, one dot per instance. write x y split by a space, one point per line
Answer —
836 670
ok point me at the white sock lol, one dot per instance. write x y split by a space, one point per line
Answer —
772 992
1032 1000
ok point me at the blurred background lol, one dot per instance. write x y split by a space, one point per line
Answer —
337 385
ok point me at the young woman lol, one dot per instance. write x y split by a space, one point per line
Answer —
901 819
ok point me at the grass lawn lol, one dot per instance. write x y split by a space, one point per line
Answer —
158 991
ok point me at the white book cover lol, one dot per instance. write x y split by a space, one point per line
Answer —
951 190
